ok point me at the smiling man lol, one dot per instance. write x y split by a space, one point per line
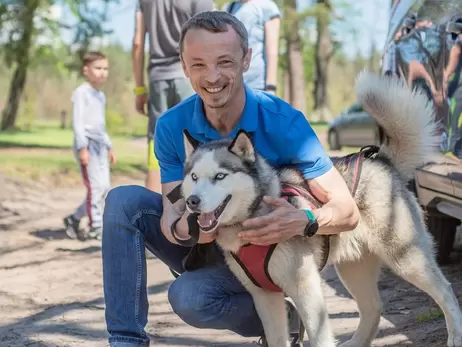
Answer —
215 54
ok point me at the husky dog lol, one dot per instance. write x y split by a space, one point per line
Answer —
226 179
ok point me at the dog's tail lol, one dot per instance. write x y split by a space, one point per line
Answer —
406 118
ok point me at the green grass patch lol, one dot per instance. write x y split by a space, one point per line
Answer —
429 316
45 151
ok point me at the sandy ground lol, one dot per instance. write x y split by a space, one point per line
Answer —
51 287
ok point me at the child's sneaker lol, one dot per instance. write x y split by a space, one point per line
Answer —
95 233
71 227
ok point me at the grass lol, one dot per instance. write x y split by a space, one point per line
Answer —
429 316
46 152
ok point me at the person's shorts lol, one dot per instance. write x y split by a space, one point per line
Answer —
163 95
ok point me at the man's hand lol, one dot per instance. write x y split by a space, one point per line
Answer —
140 102
182 231
112 157
280 225
84 156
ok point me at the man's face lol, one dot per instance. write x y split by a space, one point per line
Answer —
97 72
214 64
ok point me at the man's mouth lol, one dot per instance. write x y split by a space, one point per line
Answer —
208 221
215 90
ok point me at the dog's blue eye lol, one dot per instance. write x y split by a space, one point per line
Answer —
193 177
220 176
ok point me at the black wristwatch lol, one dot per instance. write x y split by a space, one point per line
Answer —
270 88
312 226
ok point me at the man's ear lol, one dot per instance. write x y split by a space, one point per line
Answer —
190 143
242 146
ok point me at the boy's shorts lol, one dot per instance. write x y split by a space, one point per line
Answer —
163 95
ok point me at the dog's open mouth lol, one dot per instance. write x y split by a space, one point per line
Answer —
208 221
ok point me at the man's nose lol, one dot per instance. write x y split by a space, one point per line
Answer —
213 75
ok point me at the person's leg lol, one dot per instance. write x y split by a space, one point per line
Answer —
72 222
131 219
181 89
207 298
213 298
98 174
157 105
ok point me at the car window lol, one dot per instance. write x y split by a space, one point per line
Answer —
355 108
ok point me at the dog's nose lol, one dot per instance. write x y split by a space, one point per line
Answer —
193 201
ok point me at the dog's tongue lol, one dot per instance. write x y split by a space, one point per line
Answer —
205 220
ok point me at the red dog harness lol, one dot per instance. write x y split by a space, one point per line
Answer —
254 259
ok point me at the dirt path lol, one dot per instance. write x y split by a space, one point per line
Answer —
51 289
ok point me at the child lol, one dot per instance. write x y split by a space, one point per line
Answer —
92 146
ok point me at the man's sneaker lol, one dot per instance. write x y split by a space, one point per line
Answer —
95 233
71 227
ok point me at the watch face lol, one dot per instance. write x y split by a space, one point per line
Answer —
311 229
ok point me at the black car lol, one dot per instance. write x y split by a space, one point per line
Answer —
354 128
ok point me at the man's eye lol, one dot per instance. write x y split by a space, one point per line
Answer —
219 176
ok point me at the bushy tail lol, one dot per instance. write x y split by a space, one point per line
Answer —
406 117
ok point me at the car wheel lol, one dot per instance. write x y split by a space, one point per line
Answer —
332 140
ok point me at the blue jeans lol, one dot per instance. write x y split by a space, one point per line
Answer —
210 297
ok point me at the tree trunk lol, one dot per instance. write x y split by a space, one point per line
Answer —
297 87
324 51
22 63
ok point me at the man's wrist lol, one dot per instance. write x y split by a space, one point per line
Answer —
270 87
140 90
311 226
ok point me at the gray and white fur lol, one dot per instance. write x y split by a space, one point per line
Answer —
391 231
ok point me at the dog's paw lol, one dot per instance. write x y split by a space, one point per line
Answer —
455 340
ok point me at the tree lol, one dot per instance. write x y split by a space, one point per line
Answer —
24 21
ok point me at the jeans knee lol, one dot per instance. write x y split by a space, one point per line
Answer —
132 199
192 303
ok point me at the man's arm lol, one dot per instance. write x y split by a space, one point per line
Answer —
272 20
340 212
138 48
272 50
171 213
454 57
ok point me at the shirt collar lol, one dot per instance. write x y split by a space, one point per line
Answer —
248 121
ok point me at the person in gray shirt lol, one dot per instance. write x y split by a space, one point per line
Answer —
162 21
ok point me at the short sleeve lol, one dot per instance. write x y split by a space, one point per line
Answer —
200 6
270 11
171 167
302 149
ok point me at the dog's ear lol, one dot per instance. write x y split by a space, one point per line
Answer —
242 146
190 143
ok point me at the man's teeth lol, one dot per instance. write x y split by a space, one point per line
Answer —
214 90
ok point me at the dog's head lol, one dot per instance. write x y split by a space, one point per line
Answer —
222 180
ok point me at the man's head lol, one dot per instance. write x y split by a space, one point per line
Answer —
215 54
95 68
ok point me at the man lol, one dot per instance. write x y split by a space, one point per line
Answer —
215 55
262 19
162 20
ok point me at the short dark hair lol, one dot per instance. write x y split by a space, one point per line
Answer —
92 56
216 22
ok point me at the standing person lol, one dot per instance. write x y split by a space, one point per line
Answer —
262 19
92 146
162 21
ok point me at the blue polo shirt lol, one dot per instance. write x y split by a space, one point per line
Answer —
280 133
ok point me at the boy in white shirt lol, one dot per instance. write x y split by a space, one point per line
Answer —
92 146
